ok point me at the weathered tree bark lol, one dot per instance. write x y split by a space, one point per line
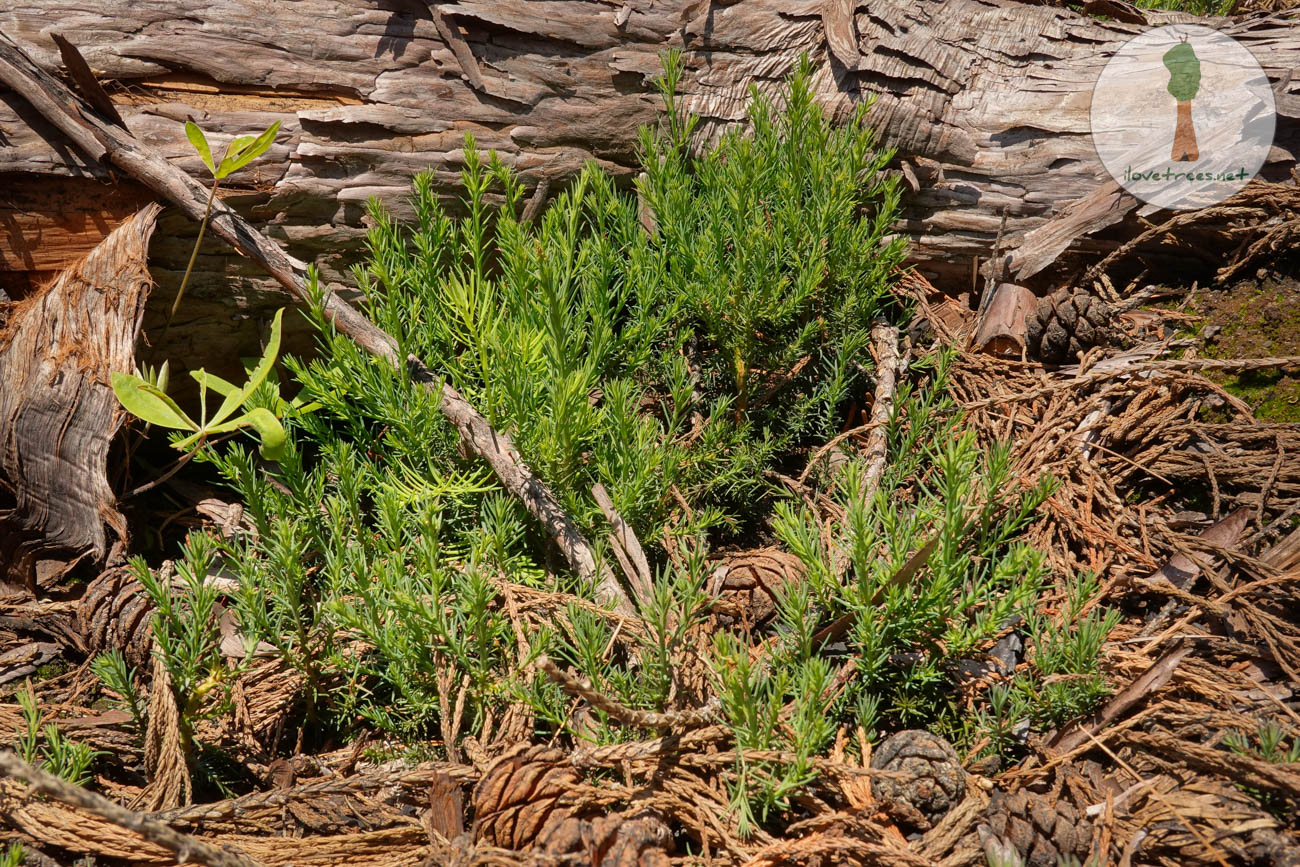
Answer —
986 100
58 416
103 139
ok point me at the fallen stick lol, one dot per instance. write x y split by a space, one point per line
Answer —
583 688
626 547
187 848
99 140
889 363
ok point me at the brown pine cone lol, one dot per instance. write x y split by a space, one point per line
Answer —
933 779
116 612
521 796
1066 323
522 803
1042 829
752 581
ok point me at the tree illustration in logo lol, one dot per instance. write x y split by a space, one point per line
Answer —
1184 82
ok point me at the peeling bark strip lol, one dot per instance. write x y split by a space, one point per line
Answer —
987 100
94 136
890 365
1002 326
57 411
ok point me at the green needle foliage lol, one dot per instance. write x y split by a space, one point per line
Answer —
690 357
1065 653
905 640
1269 742
679 343
46 747
538 327
187 633
610 354
118 676
774 243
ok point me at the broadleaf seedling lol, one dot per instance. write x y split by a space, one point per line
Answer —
240 152
147 401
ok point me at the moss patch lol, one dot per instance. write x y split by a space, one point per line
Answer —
1256 319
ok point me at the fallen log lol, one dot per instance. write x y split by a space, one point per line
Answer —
987 102
102 140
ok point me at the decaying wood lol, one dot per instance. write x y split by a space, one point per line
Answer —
23 661
83 77
987 102
101 139
57 412
1002 326
889 366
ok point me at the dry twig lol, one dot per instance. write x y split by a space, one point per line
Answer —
581 687
187 848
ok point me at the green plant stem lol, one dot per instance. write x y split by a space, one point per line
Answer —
203 227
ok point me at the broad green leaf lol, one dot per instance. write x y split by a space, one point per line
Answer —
269 430
200 143
237 145
145 402
237 397
223 387
245 149
233 150
267 361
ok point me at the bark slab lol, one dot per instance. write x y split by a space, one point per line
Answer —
986 100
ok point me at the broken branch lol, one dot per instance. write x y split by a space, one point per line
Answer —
99 139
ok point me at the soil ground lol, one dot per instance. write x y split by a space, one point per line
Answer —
1257 318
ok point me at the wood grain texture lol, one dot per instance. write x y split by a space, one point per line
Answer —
986 100
95 136
58 414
